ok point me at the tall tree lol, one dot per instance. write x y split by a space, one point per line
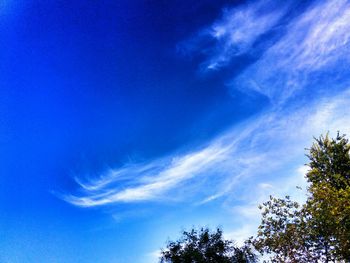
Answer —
329 201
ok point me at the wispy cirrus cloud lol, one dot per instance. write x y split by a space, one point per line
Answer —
235 33
313 51
304 73
149 181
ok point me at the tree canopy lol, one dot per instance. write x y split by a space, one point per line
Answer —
318 230
204 246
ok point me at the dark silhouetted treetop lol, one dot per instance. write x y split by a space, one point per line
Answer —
204 246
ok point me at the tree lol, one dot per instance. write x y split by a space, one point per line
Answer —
329 162
282 233
318 230
204 246
329 201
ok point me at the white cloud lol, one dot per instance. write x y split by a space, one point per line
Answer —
327 35
239 28
235 33
315 44
152 182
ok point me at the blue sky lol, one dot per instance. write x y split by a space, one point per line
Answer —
123 122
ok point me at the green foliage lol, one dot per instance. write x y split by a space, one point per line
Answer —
330 218
281 233
330 162
204 246
319 230
329 201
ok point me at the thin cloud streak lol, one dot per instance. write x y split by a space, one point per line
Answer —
314 42
150 185
234 33
239 29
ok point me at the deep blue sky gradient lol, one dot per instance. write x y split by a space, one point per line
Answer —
85 85
89 85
